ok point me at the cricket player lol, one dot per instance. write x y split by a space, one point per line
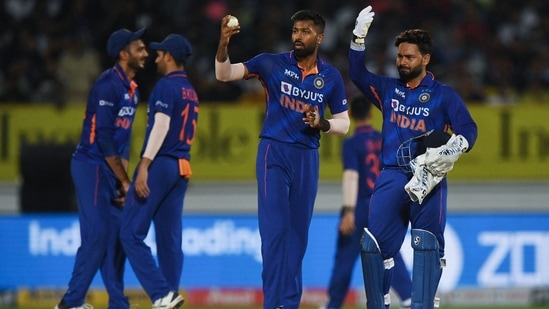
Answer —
361 167
411 105
99 171
299 86
162 176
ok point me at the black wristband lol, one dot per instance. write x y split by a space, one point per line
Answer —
346 209
324 125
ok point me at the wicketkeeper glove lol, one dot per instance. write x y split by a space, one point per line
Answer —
362 24
422 182
439 161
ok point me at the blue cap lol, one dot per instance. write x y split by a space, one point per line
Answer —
178 46
120 38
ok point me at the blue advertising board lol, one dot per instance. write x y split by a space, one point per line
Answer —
223 251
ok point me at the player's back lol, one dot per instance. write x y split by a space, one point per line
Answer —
361 153
176 97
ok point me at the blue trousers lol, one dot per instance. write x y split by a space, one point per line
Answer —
164 207
391 210
346 255
100 248
287 183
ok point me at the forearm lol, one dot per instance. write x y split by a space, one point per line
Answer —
222 52
357 68
158 134
226 71
339 124
144 164
117 166
349 187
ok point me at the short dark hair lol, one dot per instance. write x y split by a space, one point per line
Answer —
360 107
317 19
419 37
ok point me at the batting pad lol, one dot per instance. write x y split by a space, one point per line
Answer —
373 271
427 269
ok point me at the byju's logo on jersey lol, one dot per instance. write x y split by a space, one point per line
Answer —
409 117
126 111
409 110
286 88
298 93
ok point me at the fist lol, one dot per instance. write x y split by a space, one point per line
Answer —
310 116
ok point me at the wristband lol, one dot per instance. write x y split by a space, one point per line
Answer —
358 40
347 209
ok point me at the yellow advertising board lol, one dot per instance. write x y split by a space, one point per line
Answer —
513 142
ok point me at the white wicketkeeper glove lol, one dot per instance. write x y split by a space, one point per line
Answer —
422 182
439 161
362 24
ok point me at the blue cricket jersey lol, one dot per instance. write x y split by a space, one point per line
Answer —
287 92
107 124
361 154
409 112
174 96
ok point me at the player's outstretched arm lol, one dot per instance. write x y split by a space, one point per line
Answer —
224 38
224 70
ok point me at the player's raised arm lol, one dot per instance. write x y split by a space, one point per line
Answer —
224 70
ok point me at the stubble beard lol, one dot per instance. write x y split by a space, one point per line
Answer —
408 76
303 53
135 64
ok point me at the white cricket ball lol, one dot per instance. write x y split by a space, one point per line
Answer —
233 22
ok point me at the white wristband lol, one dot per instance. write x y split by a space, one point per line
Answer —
339 124
226 71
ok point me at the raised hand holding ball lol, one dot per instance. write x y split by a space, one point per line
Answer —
233 22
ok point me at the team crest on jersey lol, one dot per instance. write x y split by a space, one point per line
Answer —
424 97
319 83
